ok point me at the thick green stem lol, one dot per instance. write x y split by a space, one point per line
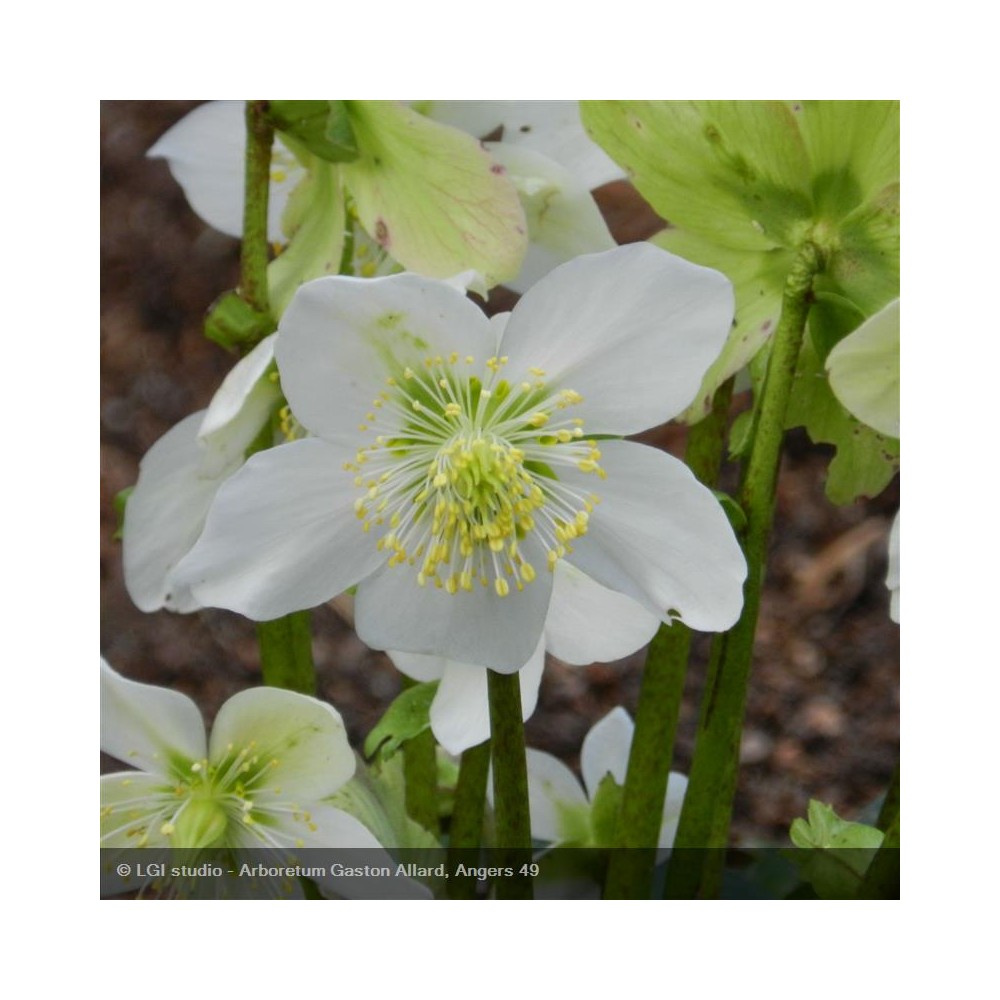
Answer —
466 830
510 782
420 770
630 871
286 653
881 881
890 807
254 249
707 813
285 643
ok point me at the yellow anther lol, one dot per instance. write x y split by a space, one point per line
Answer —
537 372
538 419
501 586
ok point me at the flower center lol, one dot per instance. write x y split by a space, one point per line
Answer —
462 476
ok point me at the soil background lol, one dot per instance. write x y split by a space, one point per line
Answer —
823 710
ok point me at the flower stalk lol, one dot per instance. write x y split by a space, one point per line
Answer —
285 643
254 248
466 830
707 812
630 871
510 780
420 769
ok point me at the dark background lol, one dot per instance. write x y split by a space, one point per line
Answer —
823 712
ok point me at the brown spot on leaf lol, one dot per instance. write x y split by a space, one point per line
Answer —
496 168
382 233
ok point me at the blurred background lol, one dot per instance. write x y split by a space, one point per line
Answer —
823 710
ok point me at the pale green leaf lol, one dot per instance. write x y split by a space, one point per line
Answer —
734 172
406 717
604 809
853 150
431 196
865 461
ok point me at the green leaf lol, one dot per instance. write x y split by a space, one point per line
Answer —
733 172
758 281
119 504
314 224
323 127
737 516
830 317
235 324
406 717
864 266
865 460
853 149
376 796
835 853
604 810
432 197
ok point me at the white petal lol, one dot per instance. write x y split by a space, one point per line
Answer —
240 408
563 218
661 537
633 330
393 612
205 151
554 796
460 712
165 514
892 578
340 338
282 535
146 726
864 371
676 789
553 128
418 667
133 805
605 749
588 622
304 735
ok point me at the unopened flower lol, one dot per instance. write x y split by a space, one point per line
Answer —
457 460
585 623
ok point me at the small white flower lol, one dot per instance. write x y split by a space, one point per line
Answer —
457 460
562 809
180 475
257 782
586 623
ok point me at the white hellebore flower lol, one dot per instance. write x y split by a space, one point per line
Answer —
564 812
180 475
864 375
457 460
586 623
257 782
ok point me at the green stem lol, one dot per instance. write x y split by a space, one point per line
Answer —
286 653
420 770
881 881
466 830
890 807
707 812
254 248
630 871
285 643
510 782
